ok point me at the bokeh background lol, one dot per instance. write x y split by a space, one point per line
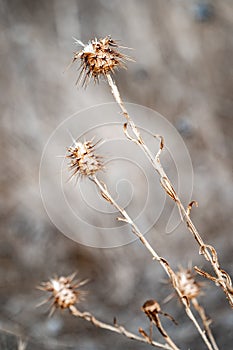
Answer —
183 51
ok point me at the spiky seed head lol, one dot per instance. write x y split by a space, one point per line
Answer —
98 58
64 291
187 283
83 160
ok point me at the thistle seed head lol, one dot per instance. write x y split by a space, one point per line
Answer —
187 283
64 291
98 58
83 160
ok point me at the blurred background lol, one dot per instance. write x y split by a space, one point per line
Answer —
183 70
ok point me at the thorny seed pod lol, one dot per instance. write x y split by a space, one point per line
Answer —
83 160
98 58
64 291
187 283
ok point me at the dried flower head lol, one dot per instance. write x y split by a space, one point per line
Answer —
151 306
98 58
83 160
64 291
187 283
152 310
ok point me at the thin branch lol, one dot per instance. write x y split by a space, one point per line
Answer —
223 279
115 328
206 322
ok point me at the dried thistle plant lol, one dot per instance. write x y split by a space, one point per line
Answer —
187 283
101 186
65 294
99 58
152 310
83 160
192 290
97 50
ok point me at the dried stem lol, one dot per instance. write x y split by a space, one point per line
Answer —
165 265
115 328
223 279
153 310
165 335
206 322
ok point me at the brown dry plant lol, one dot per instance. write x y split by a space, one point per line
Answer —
192 290
100 58
152 310
65 295
64 292
83 162
101 186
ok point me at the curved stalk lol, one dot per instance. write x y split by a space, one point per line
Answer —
223 279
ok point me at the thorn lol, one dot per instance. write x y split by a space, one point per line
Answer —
79 42
72 138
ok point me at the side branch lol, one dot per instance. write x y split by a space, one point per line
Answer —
115 328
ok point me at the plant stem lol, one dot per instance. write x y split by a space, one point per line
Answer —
116 328
210 254
165 265
206 322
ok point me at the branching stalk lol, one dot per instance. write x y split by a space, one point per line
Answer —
222 278
116 328
165 265
100 58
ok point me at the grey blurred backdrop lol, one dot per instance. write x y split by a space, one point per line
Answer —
183 51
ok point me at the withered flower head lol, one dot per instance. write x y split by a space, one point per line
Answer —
151 306
152 309
83 160
98 58
64 291
187 283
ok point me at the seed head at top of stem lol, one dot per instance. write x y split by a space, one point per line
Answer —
64 291
187 283
83 159
98 58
